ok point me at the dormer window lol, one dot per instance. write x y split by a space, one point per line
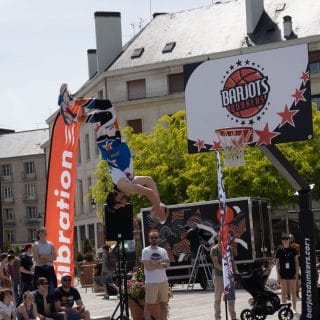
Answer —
137 53
168 47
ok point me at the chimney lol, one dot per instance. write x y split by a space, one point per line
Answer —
108 38
254 11
287 26
92 62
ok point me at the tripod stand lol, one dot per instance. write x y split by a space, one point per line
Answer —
121 275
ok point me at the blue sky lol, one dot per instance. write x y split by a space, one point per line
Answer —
44 43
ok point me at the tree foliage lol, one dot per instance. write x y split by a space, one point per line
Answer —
183 177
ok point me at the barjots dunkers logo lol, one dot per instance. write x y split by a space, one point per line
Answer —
245 92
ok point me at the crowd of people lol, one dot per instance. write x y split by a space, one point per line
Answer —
28 285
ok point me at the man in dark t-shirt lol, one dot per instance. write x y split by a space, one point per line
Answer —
26 269
67 299
44 301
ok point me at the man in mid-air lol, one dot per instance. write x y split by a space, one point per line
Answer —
113 149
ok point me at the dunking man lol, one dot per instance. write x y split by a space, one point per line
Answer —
113 149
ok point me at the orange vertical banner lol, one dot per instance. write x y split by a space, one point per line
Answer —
60 198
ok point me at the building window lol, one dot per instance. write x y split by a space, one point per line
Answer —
80 195
9 236
316 100
314 67
32 234
175 82
82 233
6 170
75 237
91 234
87 143
79 152
7 192
136 125
100 94
136 89
29 168
30 191
32 213
8 215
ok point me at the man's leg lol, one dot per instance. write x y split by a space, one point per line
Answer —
292 291
284 291
150 298
163 310
231 307
218 286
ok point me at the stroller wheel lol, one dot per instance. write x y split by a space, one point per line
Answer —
246 314
285 314
260 316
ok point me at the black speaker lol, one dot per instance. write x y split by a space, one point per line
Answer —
119 222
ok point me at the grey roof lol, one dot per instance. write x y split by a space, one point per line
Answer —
23 143
217 28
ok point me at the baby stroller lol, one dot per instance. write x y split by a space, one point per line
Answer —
264 302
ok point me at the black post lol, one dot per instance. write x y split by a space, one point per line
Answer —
122 279
226 307
309 303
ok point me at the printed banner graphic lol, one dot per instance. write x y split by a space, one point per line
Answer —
268 91
60 197
228 278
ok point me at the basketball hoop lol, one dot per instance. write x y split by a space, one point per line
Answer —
233 141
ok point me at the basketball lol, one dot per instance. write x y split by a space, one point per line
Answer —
229 215
245 92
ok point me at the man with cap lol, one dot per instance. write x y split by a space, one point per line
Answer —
67 299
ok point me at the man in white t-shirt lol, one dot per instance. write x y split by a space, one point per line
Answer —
155 260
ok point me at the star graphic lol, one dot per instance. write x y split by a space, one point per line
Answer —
305 77
108 146
216 145
231 67
200 145
287 116
247 61
239 63
265 136
298 96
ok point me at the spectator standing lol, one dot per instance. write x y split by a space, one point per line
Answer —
45 302
108 267
216 256
155 260
44 254
27 310
7 309
16 276
287 270
27 270
67 299
5 281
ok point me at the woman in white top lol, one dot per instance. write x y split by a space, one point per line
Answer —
7 309
44 253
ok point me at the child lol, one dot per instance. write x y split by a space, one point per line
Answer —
28 310
7 309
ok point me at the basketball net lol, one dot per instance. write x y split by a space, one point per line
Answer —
233 141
